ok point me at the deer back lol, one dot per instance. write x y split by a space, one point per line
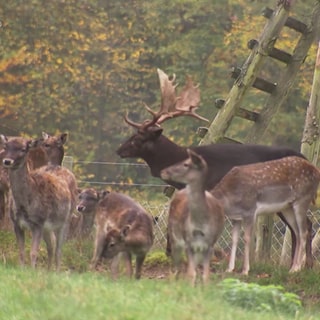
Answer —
273 183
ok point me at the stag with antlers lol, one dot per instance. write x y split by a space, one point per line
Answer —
159 152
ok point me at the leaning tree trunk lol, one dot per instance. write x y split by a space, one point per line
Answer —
310 143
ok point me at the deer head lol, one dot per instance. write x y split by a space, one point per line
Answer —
172 106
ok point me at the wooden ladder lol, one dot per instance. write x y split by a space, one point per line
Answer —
246 77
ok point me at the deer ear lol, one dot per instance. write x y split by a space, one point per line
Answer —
63 138
125 230
33 143
155 132
196 159
4 138
45 135
36 143
102 194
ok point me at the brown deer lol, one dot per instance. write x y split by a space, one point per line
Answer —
122 226
288 185
47 150
196 217
87 206
54 149
159 152
41 201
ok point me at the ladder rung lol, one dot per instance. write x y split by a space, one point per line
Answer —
202 131
229 140
281 55
246 114
241 112
274 53
291 23
258 83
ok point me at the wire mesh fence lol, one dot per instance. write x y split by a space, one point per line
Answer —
280 248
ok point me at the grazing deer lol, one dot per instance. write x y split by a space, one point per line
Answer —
196 217
159 152
288 185
122 226
41 200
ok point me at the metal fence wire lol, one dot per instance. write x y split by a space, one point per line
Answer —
280 241
280 249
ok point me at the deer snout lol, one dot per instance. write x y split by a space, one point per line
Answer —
7 163
81 208
164 174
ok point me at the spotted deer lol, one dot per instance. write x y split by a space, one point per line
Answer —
122 226
41 201
159 152
196 217
288 185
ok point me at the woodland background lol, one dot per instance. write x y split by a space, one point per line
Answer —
78 66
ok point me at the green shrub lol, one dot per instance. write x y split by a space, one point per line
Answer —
260 298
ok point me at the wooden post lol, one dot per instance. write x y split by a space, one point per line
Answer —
310 143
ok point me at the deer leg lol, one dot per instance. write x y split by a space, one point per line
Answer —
35 244
128 262
60 238
19 232
302 234
248 229
292 223
2 205
115 262
176 258
236 226
206 266
139 263
293 236
309 256
98 249
168 248
49 243
192 268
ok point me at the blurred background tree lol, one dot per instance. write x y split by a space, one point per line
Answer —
78 66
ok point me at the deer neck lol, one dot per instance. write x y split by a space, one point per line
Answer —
164 153
21 184
197 203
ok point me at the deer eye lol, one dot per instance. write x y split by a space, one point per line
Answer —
186 165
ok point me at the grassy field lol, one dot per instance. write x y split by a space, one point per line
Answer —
75 293
28 294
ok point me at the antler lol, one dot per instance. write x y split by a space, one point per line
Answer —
171 106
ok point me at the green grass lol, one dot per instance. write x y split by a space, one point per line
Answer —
75 293
38 294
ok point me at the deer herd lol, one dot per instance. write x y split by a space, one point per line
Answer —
215 181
